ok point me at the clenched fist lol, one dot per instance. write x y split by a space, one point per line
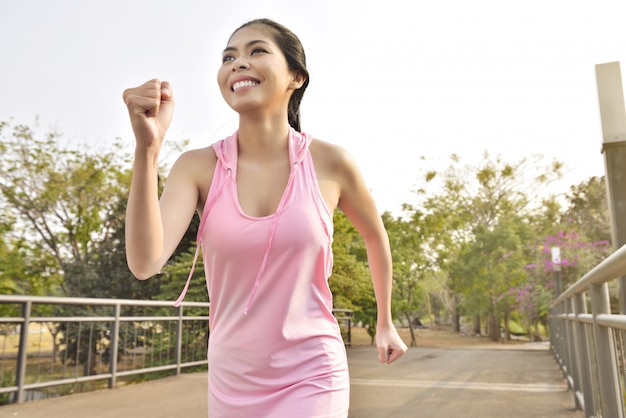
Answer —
150 107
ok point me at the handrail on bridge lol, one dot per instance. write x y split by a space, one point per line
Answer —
88 353
105 340
589 346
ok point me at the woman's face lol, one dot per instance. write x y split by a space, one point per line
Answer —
254 74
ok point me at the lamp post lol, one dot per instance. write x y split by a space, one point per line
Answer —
613 119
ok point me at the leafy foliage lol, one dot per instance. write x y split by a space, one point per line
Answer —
587 210
351 281
64 201
175 273
483 210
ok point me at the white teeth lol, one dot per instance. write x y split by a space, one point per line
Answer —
245 83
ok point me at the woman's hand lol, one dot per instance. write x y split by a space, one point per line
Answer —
150 107
390 345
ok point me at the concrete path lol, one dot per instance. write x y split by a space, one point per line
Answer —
510 382
468 383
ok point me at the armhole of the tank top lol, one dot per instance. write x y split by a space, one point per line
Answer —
322 208
209 201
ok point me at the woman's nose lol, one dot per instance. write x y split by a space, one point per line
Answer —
240 64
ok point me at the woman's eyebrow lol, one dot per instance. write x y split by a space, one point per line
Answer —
248 45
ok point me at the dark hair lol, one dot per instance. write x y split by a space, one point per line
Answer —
293 51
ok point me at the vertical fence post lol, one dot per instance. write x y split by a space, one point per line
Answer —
552 323
574 350
564 341
570 344
559 337
606 359
115 343
22 356
582 344
350 330
179 340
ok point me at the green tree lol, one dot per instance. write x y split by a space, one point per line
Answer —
587 210
488 267
351 281
176 272
475 204
66 208
61 199
410 266
24 268
108 275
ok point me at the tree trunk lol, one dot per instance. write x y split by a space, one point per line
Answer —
371 331
409 319
535 336
545 326
507 331
457 317
429 305
54 331
477 324
494 329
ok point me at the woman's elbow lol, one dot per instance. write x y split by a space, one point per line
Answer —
141 272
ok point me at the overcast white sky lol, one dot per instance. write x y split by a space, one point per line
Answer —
390 80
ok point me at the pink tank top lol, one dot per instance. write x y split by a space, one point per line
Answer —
275 349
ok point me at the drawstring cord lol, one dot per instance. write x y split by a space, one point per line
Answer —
257 280
205 214
279 210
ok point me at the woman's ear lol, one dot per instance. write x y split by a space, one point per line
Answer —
298 79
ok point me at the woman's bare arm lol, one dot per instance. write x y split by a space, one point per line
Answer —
357 203
154 227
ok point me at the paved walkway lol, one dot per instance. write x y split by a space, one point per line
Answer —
523 382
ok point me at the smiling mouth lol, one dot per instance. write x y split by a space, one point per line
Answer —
245 83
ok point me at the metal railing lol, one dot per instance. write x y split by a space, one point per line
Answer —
80 341
588 339
344 318
79 344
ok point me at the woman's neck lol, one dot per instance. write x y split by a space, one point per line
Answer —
262 137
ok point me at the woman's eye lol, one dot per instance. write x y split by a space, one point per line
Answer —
227 58
258 51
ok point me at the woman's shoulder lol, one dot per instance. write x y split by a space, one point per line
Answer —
195 166
197 158
331 156
193 171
